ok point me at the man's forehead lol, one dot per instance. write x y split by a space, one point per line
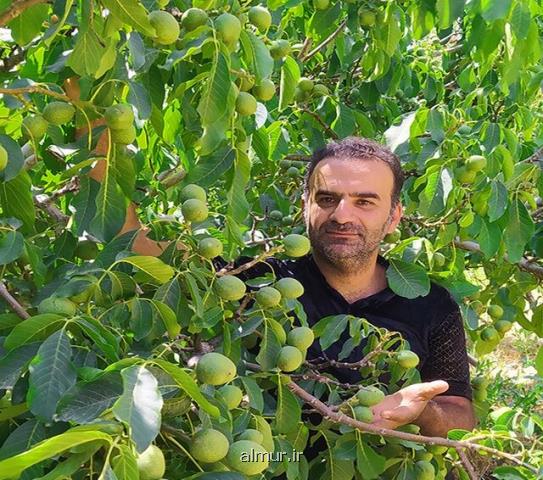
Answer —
352 175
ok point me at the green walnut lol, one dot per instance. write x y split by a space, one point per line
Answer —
301 338
230 288
215 369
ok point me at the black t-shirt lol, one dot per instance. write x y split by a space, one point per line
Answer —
431 324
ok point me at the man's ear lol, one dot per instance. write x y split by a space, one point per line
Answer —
396 216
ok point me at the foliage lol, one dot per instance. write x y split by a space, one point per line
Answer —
438 80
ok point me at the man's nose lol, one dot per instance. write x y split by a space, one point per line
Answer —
343 212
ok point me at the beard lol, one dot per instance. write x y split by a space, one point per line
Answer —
346 254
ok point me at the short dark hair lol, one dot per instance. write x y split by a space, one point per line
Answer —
358 148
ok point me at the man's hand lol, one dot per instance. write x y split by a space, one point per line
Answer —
407 404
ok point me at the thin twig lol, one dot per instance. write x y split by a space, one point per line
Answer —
34 89
298 157
537 156
306 46
12 302
17 56
17 7
43 202
252 263
325 42
524 264
467 464
352 366
330 132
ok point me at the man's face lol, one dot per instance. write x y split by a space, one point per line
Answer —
348 210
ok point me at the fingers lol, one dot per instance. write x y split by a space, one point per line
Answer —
428 390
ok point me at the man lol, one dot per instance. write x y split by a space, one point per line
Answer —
351 201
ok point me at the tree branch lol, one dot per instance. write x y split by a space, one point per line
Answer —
339 417
330 132
17 7
12 302
252 263
298 157
524 264
325 42
537 156
467 464
17 92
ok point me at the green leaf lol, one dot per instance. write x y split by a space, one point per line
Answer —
210 168
324 22
11 247
269 348
32 329
448 11
123 168
518 231
238 207
152 266
139 96
7 413
71 465
85 203
290 76
489 238
497 203
16 200
520 20
288 412
214 102
85 402
86 57
167 315
13 364
407 279
539 362
188 385
257 54
12 467
333 330
434 196
368 462
110 207
139 406
492 10
262 425
28 24
51 375
22 438
344 124
388 35
131 12
254 392
15 158
125 466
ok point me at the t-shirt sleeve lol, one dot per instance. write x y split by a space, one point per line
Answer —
448 358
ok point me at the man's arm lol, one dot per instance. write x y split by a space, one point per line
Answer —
444 413
420 404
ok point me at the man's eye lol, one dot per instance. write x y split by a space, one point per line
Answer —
326 200
364 202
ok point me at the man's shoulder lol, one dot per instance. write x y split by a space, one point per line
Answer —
438 300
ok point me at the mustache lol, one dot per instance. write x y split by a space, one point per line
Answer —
329 227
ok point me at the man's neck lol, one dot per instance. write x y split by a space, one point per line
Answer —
354 285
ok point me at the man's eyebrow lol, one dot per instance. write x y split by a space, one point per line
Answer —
354 195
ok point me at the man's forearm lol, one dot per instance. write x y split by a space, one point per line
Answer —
440 417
